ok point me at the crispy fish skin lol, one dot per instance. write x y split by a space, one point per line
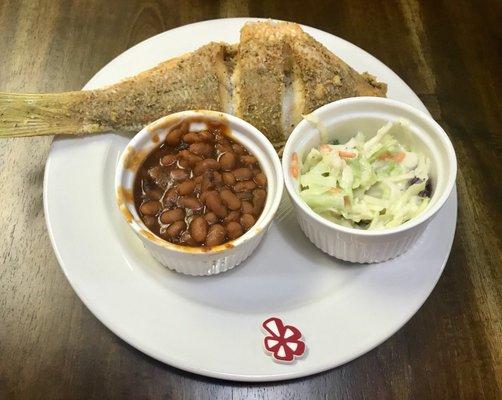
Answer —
283 73
189 82
325 77
258 79
267 54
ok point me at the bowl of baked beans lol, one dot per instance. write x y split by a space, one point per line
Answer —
200 189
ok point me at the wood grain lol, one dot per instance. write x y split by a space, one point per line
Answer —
52 347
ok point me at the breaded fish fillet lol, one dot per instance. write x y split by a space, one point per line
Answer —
282 73
274 75
259 78
194 81
325 77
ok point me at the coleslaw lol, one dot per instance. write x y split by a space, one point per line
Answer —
373 183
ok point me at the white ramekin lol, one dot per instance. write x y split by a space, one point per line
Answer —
342 120
198 260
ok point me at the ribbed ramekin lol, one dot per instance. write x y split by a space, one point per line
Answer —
198 260
342 120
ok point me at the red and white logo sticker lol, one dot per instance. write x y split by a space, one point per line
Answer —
283 342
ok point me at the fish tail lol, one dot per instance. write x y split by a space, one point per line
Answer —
26 114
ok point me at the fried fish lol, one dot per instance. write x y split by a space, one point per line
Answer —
270 78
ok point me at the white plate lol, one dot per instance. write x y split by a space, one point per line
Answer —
211 326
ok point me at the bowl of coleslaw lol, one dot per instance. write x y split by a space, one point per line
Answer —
366 175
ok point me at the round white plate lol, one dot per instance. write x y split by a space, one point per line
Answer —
212 325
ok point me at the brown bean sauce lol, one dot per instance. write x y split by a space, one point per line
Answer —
200 188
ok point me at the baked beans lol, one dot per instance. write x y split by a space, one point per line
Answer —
200 188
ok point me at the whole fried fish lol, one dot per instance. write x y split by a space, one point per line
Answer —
270 78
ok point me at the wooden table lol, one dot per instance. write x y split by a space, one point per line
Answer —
52 347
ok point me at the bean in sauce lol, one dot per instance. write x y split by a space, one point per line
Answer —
200 188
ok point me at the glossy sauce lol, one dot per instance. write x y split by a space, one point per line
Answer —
200 188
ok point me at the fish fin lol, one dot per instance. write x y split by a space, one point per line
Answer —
26 114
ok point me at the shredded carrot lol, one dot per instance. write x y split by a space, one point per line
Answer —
346 201
384 156
293 169
334 190
398 157
346 154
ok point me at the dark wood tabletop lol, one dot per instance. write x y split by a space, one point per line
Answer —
449 52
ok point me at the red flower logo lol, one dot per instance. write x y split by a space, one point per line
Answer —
284 342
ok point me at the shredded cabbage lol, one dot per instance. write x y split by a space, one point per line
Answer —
369 184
